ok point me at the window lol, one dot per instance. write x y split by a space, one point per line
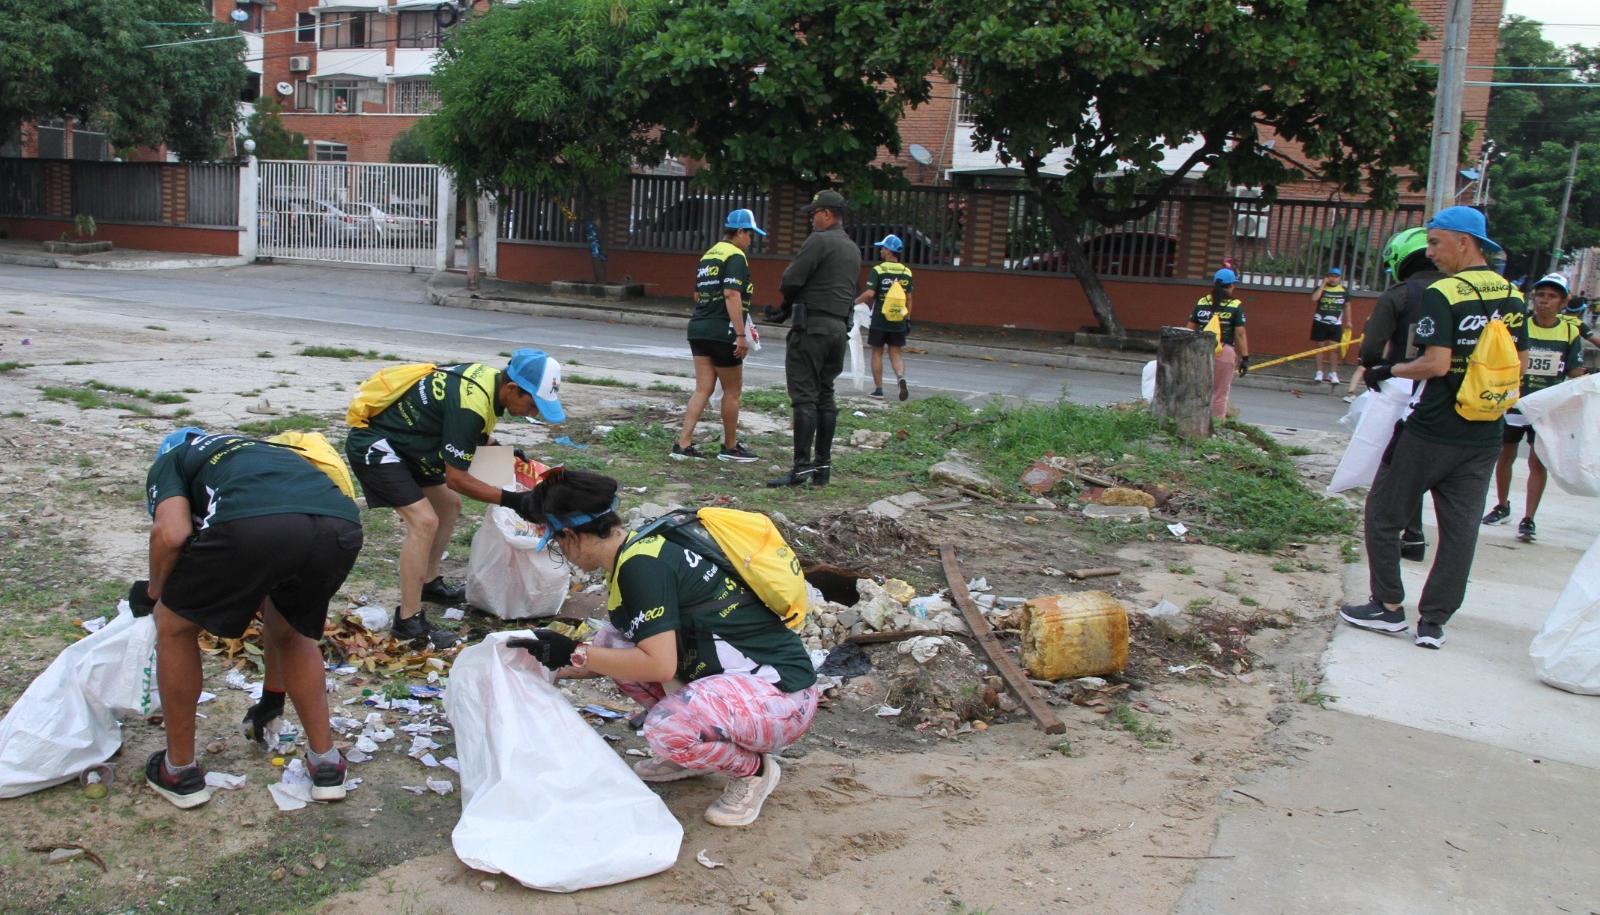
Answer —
330 152
418 30
351 30
344 96
414 96
252 88
306 24
303 99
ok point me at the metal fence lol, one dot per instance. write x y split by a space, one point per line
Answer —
117 191
1293 243
1144 247
927 220
530 216
22 187
670 213
349 212
213 194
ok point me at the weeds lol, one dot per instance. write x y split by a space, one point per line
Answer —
13 366
598 381
154 327
1124 717
89 399
299 422
1181 570
1306 690
344 352
1285 568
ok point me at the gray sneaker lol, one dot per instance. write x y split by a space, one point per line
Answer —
741 800
1375 616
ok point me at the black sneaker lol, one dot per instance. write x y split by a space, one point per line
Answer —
1375 616
877 392
681 453
438 592
904 391
1526 531
1429 635
327 780
1414 550
414 628
1498 514
187 789
738 454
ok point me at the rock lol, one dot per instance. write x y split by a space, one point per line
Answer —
1125 514
848 618
648 511
1005 703
489 886
827 619
216 746
794 752
909 499
949 622
299 870
956 473
1123 495
883 508
319 861
878 612
1090 683
278 873
869 438
59 855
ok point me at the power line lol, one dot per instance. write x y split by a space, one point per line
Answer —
1497 84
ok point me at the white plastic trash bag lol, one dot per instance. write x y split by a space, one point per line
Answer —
68 719
861 319
1373 432
544 800
1566 425
506 576
1566 652
1147 382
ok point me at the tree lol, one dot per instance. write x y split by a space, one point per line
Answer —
530 98
273 140
1120 84
91 60
410 147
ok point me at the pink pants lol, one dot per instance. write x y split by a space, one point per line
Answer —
1227 362
723 723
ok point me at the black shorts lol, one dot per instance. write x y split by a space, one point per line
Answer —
1514 434
393 485
877 338
300 561
720 352
1326 333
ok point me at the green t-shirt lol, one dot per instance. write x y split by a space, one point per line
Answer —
659 586
721 268
1330 305
1230 316
881 277
1454 312
1552 353
441 420
229 477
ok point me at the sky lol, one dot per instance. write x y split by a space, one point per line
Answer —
1571 21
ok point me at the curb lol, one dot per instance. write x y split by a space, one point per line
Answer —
68 263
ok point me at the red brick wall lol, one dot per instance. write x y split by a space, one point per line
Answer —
931 125
368 136
140 238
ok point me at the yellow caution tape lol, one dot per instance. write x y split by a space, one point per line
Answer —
1309 352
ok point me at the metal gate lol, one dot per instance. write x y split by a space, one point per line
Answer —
350 212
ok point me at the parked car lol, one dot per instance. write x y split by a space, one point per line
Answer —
345 225
921 248
693 223
1115 254
409 225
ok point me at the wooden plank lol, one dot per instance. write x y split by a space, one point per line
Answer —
984 636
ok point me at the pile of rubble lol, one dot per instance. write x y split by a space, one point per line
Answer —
893 606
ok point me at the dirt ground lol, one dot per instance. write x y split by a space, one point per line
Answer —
871 815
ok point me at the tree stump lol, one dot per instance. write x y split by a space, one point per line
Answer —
1184 375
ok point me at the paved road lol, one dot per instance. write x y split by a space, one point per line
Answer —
393 303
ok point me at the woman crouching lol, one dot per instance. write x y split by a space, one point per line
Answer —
725 684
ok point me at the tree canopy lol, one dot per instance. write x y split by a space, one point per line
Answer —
90 60
273 140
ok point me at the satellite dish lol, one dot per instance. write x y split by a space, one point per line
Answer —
920 154
239 16
285 89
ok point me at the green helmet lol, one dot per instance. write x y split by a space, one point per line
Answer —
1403 245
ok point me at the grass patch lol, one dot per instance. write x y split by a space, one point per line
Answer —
1181 570
299 422
1124 717
1246 600
86 398
345 352
1285 568
154 327
77 362
598 381
162 397
264 354
764 400
181 412
13 366
16 414
1306 691
662 387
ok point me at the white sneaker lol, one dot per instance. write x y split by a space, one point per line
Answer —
652 769
1318 378
1334 378
741 800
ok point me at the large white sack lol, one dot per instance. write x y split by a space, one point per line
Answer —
1566 652
1147 382
506 576
1566 425
68 719
1374 429
544 799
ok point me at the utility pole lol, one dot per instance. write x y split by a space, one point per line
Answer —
1566 198
1446 149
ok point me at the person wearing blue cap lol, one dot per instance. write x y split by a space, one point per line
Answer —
1221 304
242 527
1329 321
1437 449
889 286
719 336
413 456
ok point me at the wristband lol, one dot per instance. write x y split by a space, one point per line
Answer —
580 657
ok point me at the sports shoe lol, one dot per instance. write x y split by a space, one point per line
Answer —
1333 378
185 790
741 800
1498 514
1349 398
1526 531
877 392
652 769
1318 378
1429 635
738 454
419 626
904 391
440 593
1375 616
684 453
327 780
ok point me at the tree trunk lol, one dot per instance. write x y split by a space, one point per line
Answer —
1064 227
474 268
1184 374
593 231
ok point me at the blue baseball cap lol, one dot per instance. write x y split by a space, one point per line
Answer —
1556 280
743 219
1335 271
178 437
1226 277
535 372
1467 221
891 242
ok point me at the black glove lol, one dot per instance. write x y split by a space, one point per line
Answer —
139 598
548 647
260 715
780 314
520 502
520 454
1244 365
1375 375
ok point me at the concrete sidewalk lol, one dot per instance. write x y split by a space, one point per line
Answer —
1439 781
26 253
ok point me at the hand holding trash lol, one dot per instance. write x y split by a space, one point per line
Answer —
520 502
260 715
548 647
139 598
1376 375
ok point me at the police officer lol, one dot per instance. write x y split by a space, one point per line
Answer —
819 290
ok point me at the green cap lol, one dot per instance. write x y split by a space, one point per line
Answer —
1401 246
830 200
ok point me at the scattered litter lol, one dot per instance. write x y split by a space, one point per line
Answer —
350 784
566 440
1052 571
631 751
454 613
601 711
340 723
852 413
290 797
344 670
374 618
76 851
364 745
451 763
236 680
441 786
924 648
889 711
706 862
225 781
357 755
59 855
427 759
846 661
295 773
1177 529
205 697
421 745
978 585
818 658
1164 608
94 625
263 407
414 789
426 692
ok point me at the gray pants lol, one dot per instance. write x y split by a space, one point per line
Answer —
812 361
1458 478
